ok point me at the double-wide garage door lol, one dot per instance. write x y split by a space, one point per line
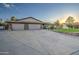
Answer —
30 26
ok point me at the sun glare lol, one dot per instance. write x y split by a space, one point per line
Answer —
62 20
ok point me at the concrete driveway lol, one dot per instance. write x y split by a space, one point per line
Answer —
37 42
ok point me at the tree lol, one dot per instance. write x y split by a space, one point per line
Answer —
57 24
1 20
70 21
13 18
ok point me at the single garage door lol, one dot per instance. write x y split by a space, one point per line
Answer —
34 26
18 26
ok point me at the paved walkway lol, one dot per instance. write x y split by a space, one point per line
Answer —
37 42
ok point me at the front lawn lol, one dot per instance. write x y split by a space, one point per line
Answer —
66 30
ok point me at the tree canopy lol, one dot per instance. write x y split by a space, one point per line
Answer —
57 24
69 21
13 18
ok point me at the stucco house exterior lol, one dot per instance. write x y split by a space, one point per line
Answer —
28 23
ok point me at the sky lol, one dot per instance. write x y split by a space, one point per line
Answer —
42 11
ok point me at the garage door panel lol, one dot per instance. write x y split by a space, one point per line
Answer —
34 26
18 26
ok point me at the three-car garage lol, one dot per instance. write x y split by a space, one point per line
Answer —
26 26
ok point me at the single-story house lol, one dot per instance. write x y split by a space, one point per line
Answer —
28 23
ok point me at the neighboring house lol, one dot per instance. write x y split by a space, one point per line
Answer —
76 24
28 23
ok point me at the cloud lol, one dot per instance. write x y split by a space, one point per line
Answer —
8 5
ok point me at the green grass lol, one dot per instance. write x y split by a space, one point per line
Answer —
66 30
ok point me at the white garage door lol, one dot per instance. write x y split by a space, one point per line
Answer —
34 26
18 26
